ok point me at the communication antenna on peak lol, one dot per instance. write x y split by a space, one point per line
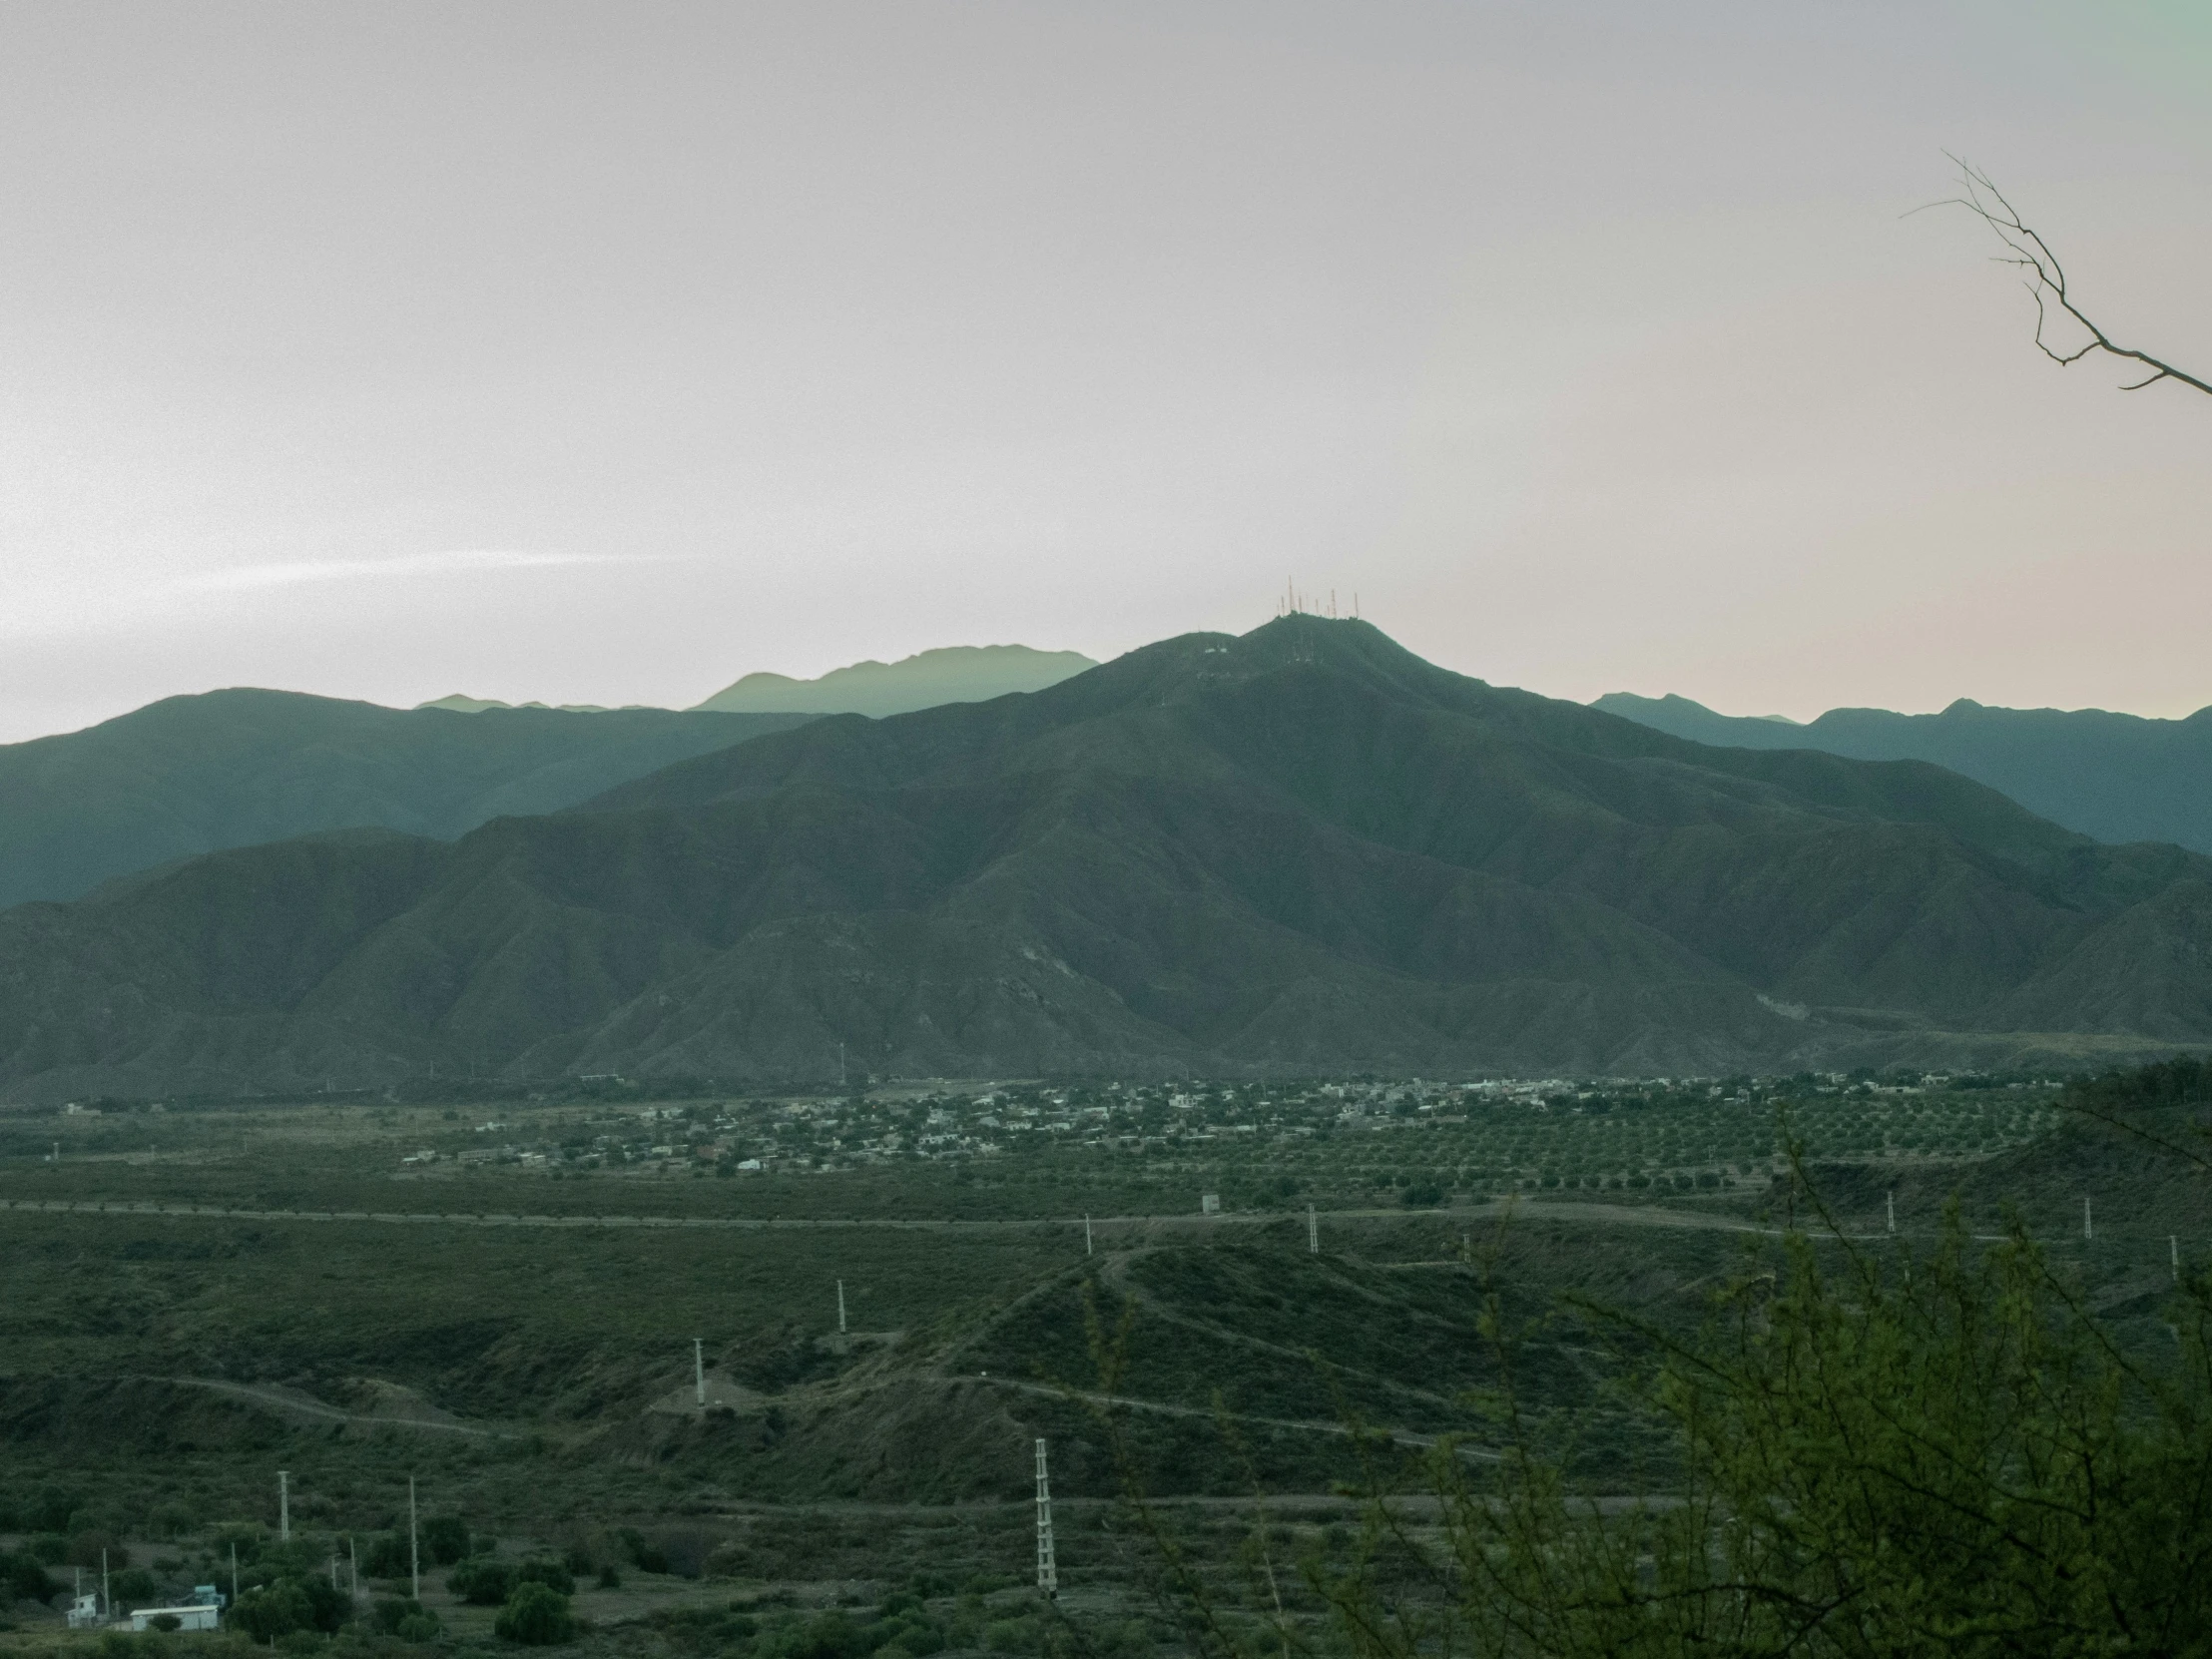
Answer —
1048 1570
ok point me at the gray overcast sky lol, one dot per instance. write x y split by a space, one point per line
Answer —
606 352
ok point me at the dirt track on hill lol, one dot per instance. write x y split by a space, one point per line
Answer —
285 1399
1615 1214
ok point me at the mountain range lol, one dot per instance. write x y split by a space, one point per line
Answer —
948 674
2119 777
1300 850
191 775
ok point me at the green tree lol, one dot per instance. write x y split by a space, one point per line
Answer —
536 1615
273 1610
23 1578
1882 1455
485 1581
444 1539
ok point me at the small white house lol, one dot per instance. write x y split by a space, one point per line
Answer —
84 1612
195 1617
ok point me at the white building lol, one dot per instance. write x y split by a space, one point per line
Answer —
193 1617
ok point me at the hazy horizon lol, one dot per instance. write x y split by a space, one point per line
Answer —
841 669
585 354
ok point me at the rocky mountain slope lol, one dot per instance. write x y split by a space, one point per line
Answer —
193 775
1300 850
2119 777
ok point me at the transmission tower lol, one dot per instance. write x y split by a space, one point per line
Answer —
1048 1571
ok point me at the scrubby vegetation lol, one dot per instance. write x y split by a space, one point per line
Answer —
1482 1365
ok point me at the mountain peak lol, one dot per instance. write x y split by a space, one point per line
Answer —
944 673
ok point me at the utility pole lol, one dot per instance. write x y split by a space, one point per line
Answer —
353 1565
415 1554
1048 1570
2173 1244
840 1307
1889 1201
107 1602
1313 1232
1086 1235
284 1506
233 1572
699 1369
2087 1231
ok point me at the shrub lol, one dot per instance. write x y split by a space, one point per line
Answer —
24 1578
165 1622
444 1539
87 1547
829 1635
610 1578
483 1581
172 1520
389 1614
543 1569
272 1611
536 1615
418 1628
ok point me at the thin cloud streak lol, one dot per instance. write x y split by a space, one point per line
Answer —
455 562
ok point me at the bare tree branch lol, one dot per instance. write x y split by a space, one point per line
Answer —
2045 280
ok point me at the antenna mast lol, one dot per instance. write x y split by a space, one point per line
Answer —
1048 1571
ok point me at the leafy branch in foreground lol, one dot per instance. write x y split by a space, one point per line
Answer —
2046 280
1883 1454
